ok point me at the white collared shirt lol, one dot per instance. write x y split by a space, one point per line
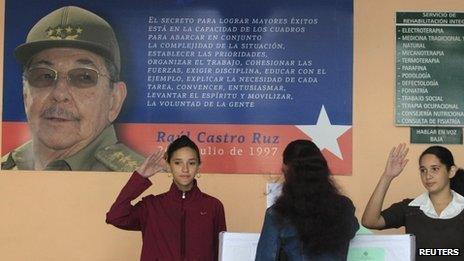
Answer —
425 204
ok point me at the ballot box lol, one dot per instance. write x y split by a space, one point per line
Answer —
237 246
382 248
242 246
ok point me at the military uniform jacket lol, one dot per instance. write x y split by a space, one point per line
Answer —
104 153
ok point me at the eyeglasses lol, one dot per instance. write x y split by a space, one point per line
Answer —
41 77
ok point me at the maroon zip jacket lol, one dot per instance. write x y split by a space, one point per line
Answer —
175 225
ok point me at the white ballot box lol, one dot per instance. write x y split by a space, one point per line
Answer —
237 246
242 246
382 248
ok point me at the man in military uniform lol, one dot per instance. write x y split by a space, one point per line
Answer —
72 94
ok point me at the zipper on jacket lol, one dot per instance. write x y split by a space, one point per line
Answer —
182 228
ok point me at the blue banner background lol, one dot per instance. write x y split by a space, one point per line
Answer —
328 45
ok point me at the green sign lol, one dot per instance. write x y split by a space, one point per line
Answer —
366 254
429 69
436 135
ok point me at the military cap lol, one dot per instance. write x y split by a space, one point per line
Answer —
71 26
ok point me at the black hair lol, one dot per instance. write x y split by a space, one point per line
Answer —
446 157
181 142
311 202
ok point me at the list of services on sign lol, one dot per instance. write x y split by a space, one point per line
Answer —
429 69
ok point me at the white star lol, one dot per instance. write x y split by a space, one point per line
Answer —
325 135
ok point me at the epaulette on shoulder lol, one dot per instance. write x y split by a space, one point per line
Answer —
20 156
118 157
8 162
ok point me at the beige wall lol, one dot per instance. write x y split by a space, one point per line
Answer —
51 216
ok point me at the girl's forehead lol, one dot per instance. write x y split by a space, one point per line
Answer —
184 152
429 159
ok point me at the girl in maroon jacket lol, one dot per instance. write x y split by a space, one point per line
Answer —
181 224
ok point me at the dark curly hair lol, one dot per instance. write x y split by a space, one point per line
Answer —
311 202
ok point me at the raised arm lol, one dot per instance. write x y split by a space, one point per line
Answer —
395 164
155 163
122 214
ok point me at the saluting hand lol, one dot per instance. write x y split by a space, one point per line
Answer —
396 161
155 163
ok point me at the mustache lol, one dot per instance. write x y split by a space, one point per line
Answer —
55 111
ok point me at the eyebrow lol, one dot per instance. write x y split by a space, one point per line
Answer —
41 62
435 165
86 62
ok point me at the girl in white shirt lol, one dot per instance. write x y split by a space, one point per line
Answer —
436 217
